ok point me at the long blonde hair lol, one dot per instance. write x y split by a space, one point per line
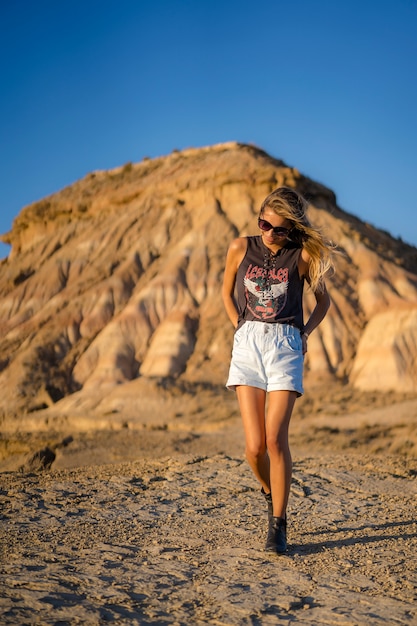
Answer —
291 205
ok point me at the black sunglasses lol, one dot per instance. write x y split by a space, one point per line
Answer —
280 231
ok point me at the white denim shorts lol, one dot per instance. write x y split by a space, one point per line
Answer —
268 356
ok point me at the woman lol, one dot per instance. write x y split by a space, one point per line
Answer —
268 272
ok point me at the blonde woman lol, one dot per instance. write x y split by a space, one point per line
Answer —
267 273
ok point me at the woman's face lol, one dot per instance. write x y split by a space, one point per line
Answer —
274 228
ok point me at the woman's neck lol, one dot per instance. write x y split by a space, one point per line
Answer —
274 248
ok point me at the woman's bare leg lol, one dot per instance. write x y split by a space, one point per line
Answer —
280 407
252 408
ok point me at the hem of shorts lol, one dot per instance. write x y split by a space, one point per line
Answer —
285 386
273 387
232 385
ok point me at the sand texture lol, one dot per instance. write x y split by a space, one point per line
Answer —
179 539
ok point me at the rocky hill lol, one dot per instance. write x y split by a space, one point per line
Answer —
110 297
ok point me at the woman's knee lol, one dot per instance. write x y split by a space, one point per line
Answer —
255 450
277 446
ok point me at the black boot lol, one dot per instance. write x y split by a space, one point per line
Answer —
277 535
268 498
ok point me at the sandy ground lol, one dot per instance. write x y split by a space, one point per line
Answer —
157 526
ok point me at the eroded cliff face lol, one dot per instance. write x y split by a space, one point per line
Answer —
117 279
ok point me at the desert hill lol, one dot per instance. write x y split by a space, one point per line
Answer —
110 301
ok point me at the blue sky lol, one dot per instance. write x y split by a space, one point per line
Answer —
329 87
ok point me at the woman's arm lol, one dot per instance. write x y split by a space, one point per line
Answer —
322 301
319 312
235 255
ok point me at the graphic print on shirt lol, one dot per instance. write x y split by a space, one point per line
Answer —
266 299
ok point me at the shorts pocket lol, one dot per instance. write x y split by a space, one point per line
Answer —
292 342
238 336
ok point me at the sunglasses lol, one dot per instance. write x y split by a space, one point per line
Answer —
280 231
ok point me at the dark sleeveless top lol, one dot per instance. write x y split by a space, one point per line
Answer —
269 288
